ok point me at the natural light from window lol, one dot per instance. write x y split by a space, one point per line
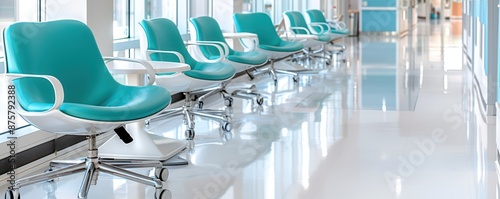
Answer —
14 10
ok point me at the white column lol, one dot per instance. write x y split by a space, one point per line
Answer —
97 14
492 39
100 20
223 13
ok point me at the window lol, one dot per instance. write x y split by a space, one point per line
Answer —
248 6
200 8
12 11
161 8
121 19
268 8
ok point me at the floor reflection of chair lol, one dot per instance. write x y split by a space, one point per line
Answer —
227 167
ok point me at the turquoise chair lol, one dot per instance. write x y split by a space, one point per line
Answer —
316 16
62 86
270 42
295 22
337 29
161 41
206 29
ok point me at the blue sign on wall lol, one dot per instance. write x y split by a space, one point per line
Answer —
379 21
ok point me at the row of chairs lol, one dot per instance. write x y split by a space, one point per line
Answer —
63 86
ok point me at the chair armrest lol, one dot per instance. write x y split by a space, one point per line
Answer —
244 35
341 25
239 35
332 20
147 65
179 55
217 44
301 28
56 84
322 26
286 33
337 24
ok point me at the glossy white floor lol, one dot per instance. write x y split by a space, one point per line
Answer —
398 121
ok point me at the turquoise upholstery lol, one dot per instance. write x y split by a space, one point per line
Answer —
163 35
324 37
251 57
284 46
261 25
298 20
207 29
211 71
317 16
66 49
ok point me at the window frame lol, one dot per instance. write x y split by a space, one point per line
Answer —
128 18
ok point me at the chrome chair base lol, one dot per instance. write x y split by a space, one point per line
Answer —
188 112
242 93
92 166
249 94
309 55
273 71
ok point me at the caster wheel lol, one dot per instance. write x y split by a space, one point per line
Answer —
163 194
259 100
11 194
189 134
228 101
200 105
295 79
50 169
226 126
161 174
226 137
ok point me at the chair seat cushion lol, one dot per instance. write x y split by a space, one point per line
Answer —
211 71
343 31
250 58
324 37
284 46
125 104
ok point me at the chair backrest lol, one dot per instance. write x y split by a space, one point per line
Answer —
162 34
316 16
65 49
260 24
296 19
207 29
